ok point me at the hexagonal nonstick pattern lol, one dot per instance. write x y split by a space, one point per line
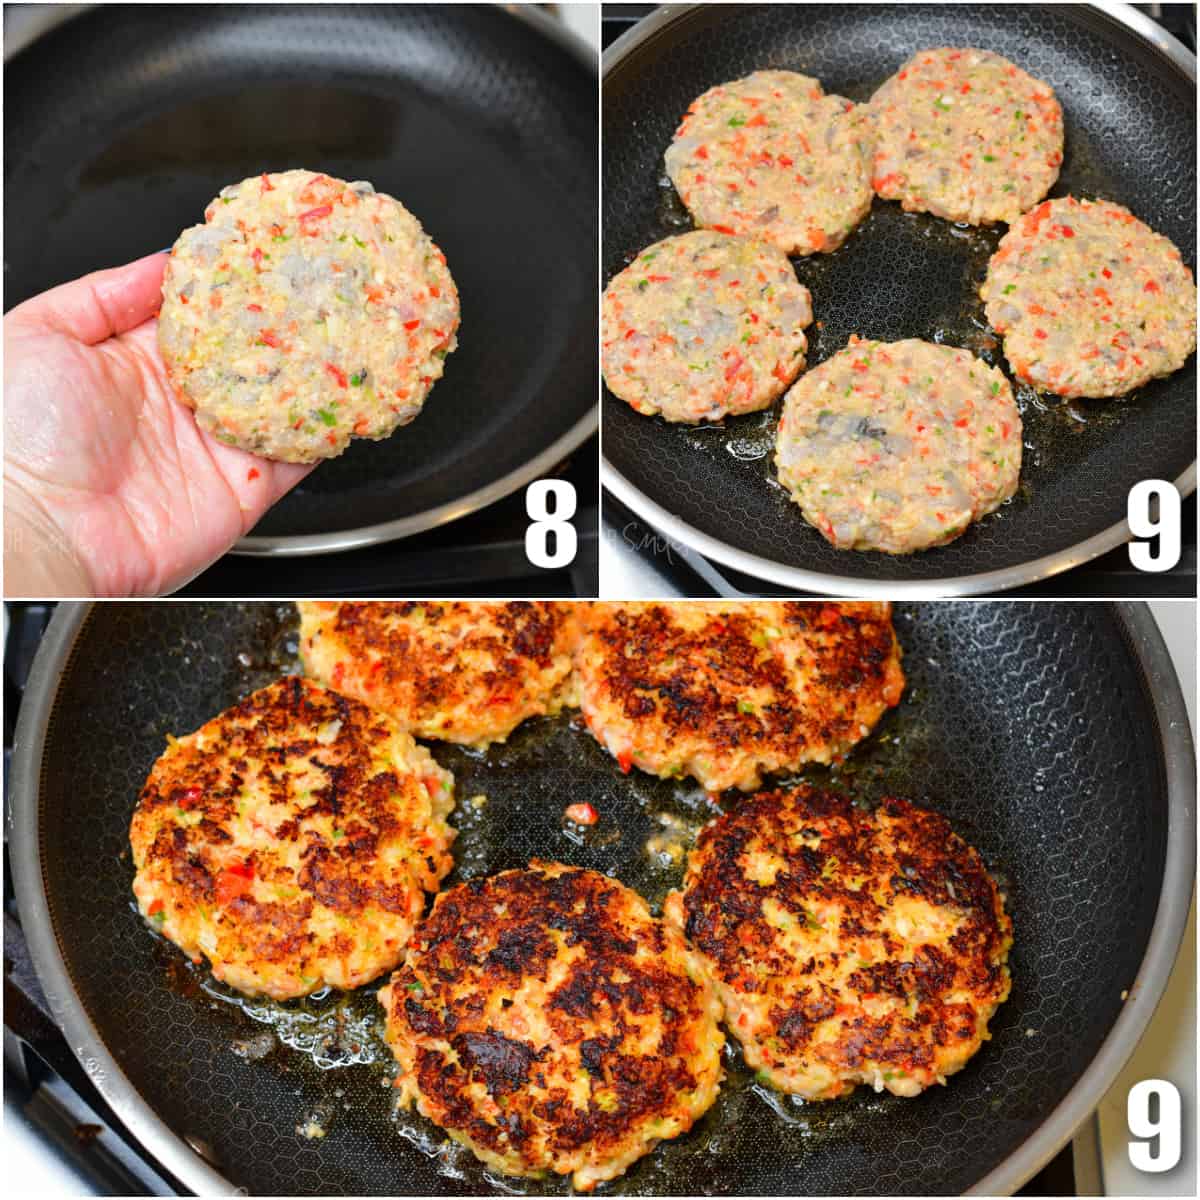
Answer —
1130 137
1029 725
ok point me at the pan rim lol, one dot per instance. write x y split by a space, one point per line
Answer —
820 583
825 583
1145 643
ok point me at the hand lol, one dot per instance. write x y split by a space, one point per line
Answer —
110 486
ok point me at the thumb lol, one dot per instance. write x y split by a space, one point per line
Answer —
100 305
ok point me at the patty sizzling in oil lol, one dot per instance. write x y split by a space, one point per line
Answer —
460 671
291 840
729 691
546 1020
848 946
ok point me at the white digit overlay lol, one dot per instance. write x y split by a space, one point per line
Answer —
1160 1133
550 505
1166 527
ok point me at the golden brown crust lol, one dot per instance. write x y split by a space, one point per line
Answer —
726 691
291 839
850 946
545 1018
463 671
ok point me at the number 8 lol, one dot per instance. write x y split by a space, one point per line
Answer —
1166 1129
537 536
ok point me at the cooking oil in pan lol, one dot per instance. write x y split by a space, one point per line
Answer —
329 1048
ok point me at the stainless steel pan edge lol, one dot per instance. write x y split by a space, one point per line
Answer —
173 1153
1174 901
814 581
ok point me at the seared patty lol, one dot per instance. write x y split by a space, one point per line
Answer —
460 671
772 157
898 446
967 135
291 840
1089 300
546 1020
703 325
848 946
727 691
306 311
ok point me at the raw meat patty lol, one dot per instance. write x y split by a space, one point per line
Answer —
1090 301
772 157
704 325
305 312
966 135
898 446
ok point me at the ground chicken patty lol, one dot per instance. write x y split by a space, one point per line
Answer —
291 840
1090 301
772 157
704 325
546 1020
966 135
898 446
848 946
459 671
305 312
728 691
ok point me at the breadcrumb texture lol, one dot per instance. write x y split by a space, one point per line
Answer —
849 947
457 671
967 135
546 1020
291 841
702 326
305 312
730 691
772 157
1089 300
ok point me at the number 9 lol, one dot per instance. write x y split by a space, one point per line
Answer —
1166 528
1142 1125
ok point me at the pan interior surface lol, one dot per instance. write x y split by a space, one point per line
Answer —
1029 725
1130 137
477 122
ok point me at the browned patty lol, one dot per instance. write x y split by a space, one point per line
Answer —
461 671
848 946
727 691
292 840
547 1020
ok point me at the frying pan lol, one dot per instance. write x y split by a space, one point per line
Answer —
123 123
1128 95
1053 736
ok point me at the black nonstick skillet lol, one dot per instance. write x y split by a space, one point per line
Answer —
1128 94
122 123
1053 736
